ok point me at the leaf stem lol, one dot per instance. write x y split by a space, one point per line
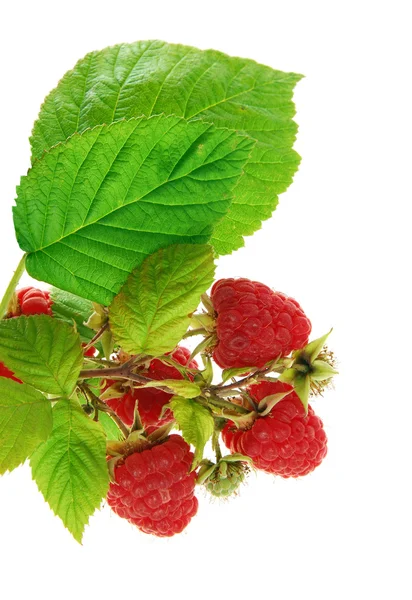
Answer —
12 286
99 405
97 336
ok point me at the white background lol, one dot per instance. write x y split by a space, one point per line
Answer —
339 243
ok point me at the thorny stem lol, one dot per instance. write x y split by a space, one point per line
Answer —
242 382
122 372
97 336
12 286
99 405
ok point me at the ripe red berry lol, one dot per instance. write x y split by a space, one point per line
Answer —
33 301
254 324
5 372
151 401
90 352
285 442
154 489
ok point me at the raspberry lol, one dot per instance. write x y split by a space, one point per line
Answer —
255 324
33 301
285 442
151 400
154 489
90 352
225 482
5 372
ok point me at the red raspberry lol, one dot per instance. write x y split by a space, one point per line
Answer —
285 442
5 372
151 400
154 489
90 352
33 301
254 324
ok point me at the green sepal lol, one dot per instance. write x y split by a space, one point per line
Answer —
310 352
301 386
267 403
181 387
207 374
235 372
107 344
322 370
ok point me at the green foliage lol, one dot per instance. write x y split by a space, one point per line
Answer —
153 77
42 352
25 422
70 467
72 310
151 312
195 422
96 205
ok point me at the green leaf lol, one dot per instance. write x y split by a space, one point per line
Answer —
195 422
25 422
95 206
70 468
42 352
153 77
72 310
182 387
152 311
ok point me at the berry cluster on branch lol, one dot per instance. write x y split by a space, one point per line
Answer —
149 161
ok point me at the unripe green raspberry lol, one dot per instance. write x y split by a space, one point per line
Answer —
225 478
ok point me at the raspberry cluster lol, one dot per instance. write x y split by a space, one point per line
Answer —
151 400
254 324
285 442
153 479
154 489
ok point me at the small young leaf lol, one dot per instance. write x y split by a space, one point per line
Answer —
151 312
195 422
181 387
70 467
94 206
153 77
42 352
25 422
72 310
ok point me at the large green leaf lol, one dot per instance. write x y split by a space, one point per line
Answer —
195 422
94 206
72 310
25 422
42 352
151 312
70 467
153 77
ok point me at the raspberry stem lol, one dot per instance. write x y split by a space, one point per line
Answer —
12 286
99 405
97 336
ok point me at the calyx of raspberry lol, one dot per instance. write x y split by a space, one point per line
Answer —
310 369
